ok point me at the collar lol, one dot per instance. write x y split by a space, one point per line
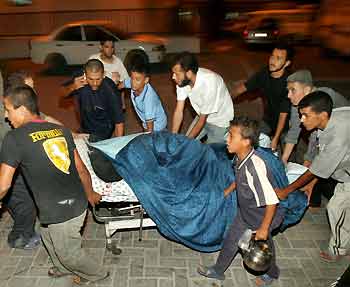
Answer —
141 97
246 158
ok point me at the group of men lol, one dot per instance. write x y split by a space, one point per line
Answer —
36 145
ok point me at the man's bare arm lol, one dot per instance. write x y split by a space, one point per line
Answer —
6 176
198 126
118 130
178 116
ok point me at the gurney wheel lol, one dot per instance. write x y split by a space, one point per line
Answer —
114 249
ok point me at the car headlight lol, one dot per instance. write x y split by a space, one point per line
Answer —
158 48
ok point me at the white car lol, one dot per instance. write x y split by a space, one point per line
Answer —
74 43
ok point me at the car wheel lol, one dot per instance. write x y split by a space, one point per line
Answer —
135 55
56 63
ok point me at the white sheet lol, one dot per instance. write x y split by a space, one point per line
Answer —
111 192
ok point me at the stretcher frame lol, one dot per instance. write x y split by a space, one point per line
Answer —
124 215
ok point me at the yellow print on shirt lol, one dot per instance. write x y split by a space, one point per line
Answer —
57 151
45 134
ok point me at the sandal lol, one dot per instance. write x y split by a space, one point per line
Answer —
54 272
210 272
328 257
82 281
263 280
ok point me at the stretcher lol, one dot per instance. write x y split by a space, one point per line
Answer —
119 208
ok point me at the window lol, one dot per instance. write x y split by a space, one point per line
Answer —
70 34
94 33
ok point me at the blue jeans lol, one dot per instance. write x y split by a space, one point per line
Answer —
214 133
22 210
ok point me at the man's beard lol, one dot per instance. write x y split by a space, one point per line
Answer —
277 70
185 82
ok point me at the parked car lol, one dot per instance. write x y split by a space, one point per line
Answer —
73 43
294 25
265 31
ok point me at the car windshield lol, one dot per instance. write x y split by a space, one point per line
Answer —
97 33
69 34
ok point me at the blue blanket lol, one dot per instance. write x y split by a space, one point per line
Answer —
295 204
180 183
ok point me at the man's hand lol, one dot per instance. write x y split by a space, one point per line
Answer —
116 77
281 193
94 198
262 234
79 82
274 143
229 189
307 163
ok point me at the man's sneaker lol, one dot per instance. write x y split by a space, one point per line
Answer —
33 242
18 243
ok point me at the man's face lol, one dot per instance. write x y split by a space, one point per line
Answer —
179 76
138 82
107 49
296 92
94 79
278 60
14 116
234 140
310 119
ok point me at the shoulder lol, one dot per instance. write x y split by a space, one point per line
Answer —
117 60
151 91
341 115
95 56
206 74
257 161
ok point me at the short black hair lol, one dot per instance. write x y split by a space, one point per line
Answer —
318 101
139 65
249 128
17 79
94 65
107 39
23 96
135 55
187 61
288 48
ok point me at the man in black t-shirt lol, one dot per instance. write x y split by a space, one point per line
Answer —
99 104
54 171
272 81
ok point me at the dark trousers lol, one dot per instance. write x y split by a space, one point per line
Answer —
323 187
230 245
22 209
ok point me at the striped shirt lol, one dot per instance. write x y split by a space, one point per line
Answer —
254 187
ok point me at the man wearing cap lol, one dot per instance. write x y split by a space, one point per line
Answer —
332 160
299 85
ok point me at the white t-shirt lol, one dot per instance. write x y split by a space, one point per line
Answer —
209 96
116 66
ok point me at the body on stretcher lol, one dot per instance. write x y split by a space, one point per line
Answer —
119 208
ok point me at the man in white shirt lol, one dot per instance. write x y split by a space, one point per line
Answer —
208 95
113 66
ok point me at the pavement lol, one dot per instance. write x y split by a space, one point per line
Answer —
156 261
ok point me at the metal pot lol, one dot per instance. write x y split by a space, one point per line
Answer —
258 255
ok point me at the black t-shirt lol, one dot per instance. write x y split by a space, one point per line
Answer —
45 153
276 93
100 110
